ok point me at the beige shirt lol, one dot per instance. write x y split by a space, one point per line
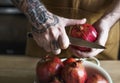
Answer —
90 9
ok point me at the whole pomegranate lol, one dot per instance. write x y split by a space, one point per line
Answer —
96 78
86 32
74 73
69 60
48 68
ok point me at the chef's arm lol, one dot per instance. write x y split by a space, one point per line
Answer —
113 14
34 10
103 26
49 29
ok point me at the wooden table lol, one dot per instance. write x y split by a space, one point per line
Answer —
21 69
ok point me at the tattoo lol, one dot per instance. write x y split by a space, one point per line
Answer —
37 14
19 4
39 31
55 45
16 1
42 30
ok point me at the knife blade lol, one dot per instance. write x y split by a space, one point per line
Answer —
84 43
78 42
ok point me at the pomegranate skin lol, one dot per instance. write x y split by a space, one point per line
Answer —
69 60
46 70
74 73
86 32
56 80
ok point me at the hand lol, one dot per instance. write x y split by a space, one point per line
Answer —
102 27
54 37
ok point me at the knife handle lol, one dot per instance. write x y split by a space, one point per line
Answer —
29 35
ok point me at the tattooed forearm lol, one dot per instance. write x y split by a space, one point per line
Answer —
42 30
21 4
37 13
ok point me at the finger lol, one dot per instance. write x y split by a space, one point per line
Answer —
43 41
55 47
75 52
47 47
64 40
46 42
75 22
92 53
54 34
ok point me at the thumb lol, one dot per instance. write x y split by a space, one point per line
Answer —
75 22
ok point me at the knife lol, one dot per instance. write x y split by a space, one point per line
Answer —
84 43
78 42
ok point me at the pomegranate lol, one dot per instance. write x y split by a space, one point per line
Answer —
55 80
96 78
69 60
48 68
74 73
86 32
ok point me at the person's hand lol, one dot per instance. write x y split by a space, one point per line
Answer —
52 36
102 27
49 29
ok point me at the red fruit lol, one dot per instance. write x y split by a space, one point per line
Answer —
96 78
47 69
86 32
55 80
69 60
74 73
